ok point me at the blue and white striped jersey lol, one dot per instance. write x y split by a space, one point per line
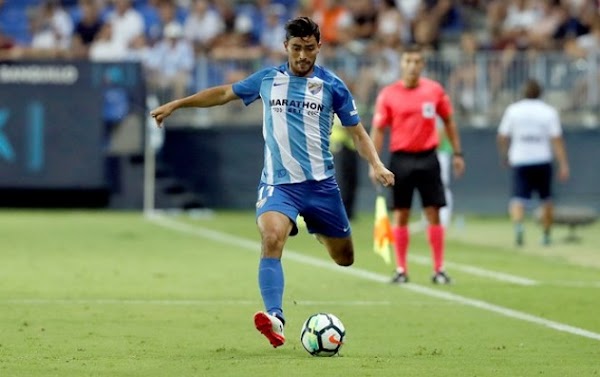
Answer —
297 119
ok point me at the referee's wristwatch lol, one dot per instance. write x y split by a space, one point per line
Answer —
458 154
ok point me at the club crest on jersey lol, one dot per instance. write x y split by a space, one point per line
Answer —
428 110
315 87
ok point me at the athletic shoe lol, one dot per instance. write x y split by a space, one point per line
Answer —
399 278
519 239
546 241
271 327
440 277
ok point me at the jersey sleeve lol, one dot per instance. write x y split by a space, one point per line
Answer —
444 106
554 125
248 89
344 105
381 116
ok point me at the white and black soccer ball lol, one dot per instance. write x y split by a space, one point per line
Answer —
322 334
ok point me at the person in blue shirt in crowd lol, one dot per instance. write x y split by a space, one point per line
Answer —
299 100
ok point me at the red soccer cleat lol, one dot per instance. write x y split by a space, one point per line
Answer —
271 327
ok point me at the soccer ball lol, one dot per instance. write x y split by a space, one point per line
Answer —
322 334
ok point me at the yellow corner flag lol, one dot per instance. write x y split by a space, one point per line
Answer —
382 230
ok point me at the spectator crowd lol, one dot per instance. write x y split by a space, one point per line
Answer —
169 37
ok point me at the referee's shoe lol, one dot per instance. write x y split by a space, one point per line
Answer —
441 277
399 278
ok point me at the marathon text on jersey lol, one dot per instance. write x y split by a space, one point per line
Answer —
296 104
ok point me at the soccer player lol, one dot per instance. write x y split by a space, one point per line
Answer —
299 101
529 130
409 108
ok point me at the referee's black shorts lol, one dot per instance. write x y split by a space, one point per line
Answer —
417 170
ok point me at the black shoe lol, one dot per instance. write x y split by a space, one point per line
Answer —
546 241
441 277
519 239
400 278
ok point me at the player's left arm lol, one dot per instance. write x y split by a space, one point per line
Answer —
503 142
444 110
503 138
345 108
366 149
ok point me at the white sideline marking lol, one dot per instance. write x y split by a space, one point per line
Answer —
575 284
367 275
482 272
100 301
418 226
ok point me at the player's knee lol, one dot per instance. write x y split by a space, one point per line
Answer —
345 261
272 244
344 257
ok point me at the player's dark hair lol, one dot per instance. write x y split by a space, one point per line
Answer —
302 27
532 89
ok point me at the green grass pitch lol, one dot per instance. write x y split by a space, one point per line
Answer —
116 294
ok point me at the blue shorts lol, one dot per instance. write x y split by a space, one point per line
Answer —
528 179
318 202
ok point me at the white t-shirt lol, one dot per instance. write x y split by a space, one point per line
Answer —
127 26
589 42
409 8
203 27
107 51
531 124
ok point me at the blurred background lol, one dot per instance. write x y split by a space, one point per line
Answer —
78 77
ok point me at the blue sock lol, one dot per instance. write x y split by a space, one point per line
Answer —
270 281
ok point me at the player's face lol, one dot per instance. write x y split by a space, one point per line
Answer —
302 54
412 64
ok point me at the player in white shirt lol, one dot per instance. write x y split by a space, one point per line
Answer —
529 133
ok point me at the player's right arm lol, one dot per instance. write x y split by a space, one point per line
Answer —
558 144
215 96
503 137
381 119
